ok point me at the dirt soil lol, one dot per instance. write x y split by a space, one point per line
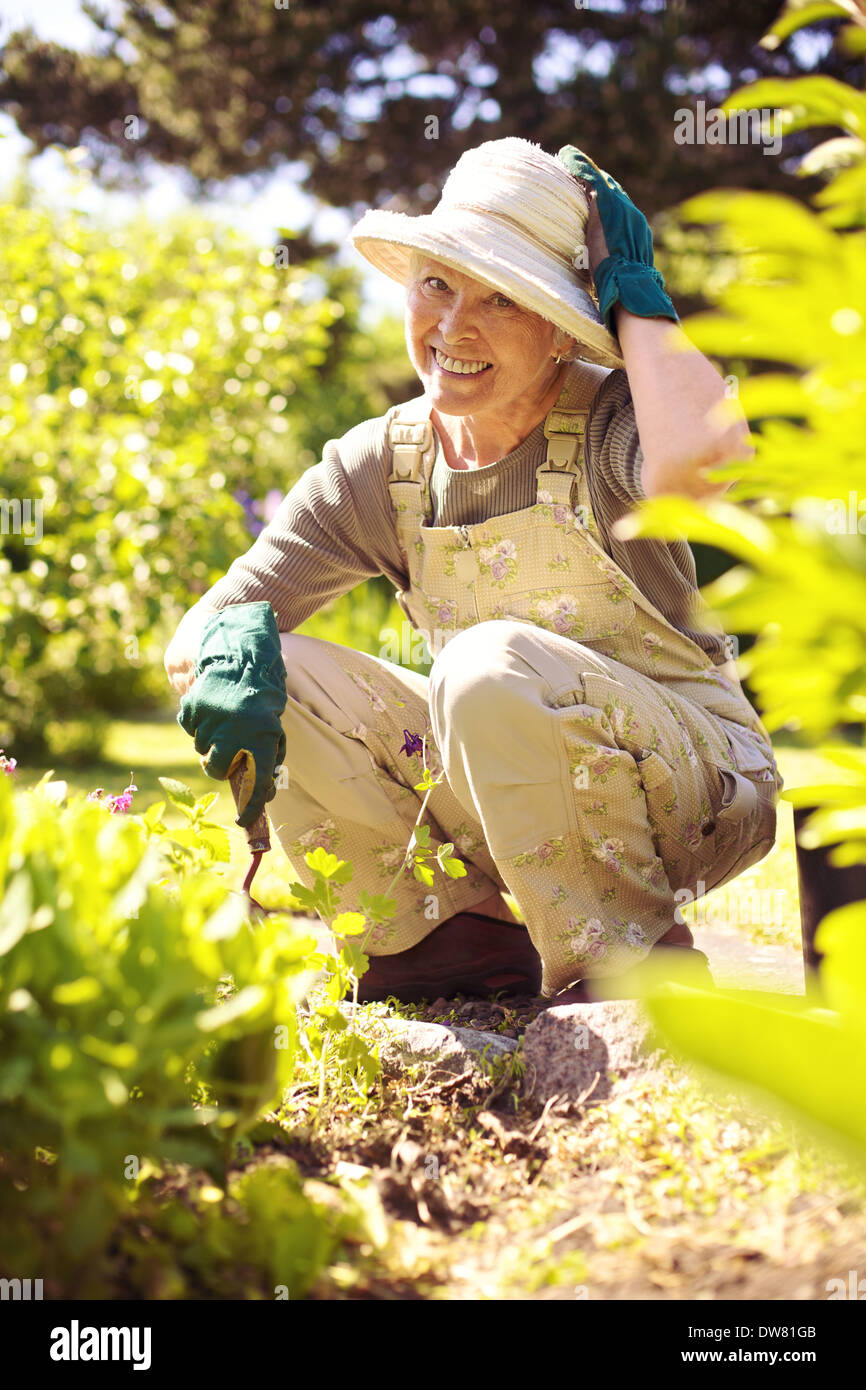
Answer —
664 1191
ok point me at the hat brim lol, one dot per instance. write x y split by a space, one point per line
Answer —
502 258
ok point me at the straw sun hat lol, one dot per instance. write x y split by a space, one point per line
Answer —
513 217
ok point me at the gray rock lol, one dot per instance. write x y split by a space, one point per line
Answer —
446 1050
567 1047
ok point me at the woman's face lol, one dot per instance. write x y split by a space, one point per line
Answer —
474 349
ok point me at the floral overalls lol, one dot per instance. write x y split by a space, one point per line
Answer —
654 773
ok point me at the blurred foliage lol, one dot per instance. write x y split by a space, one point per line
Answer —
114 1014
809 1054
147 374
796 522
146 1023
349 88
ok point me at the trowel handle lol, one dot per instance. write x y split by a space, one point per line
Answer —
258 835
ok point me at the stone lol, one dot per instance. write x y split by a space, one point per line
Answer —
565 1048
447 1050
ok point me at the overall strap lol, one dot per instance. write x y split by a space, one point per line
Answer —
413 452
565 432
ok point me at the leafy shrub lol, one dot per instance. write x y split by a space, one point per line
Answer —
149 373
141 1017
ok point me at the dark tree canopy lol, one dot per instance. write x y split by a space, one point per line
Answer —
221 88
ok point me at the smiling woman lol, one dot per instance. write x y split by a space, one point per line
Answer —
599 753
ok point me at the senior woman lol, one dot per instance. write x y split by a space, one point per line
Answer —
602 763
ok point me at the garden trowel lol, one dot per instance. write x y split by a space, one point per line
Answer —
242 777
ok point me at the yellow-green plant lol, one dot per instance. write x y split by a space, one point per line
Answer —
145 1021
796 523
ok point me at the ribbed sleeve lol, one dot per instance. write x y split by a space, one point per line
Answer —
332 530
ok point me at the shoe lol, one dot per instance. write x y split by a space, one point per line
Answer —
467 954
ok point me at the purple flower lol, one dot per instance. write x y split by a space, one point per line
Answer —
8 765
254 525
258 512
413 744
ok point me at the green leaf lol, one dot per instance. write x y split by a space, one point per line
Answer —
335 1020
349 924
328 865
306 898
377 906
15 910
423 873
805 1059
796 14
454 868
355 958
216 837
178 793
153 815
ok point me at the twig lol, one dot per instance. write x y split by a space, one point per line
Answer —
548 1104
442 1086
584 1095
569 1227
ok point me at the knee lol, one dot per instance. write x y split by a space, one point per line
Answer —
471 678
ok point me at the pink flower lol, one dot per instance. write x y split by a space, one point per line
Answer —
120 803
498 569
588 939
8 765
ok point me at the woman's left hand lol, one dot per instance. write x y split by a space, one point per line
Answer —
625 274
596 242
686 421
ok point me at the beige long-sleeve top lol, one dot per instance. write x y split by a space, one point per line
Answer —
335 527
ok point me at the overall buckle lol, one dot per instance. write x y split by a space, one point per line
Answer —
410 444
564 431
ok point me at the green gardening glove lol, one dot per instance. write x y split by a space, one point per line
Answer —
237 699
628 275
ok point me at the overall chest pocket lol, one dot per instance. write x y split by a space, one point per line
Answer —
583 612
552 576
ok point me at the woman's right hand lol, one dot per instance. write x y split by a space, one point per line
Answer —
237 698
